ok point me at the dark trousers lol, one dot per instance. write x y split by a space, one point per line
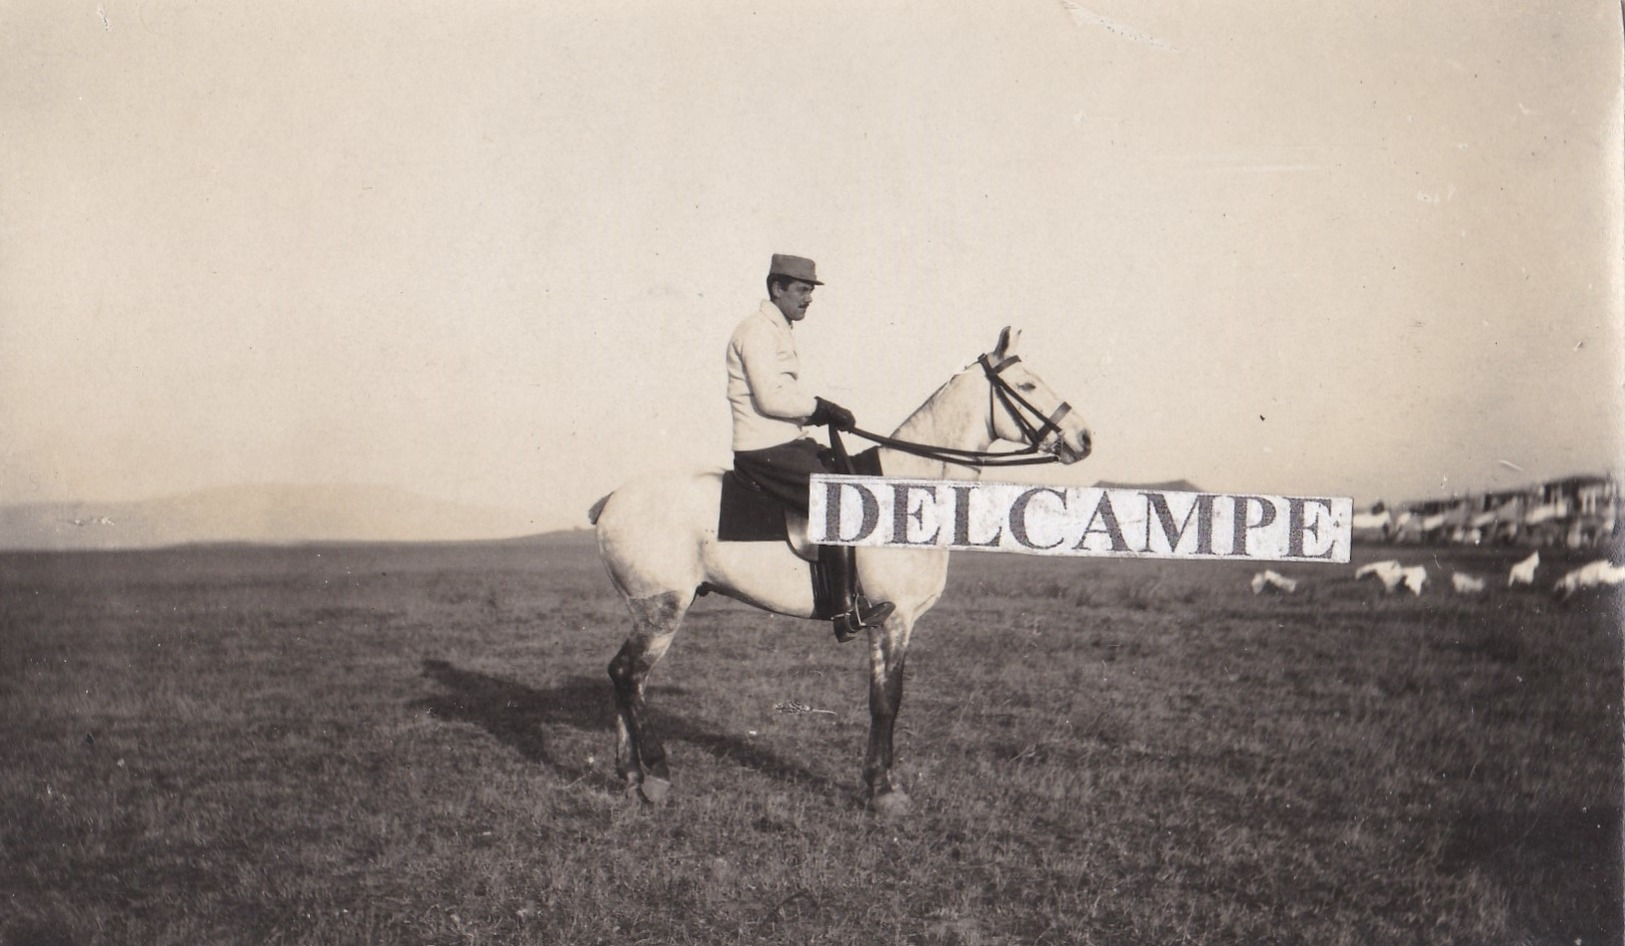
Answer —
782 471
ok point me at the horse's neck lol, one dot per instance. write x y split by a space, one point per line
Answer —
956 417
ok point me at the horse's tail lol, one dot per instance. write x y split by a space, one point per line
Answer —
598 508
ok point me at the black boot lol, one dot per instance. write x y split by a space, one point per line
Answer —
852 611
863 615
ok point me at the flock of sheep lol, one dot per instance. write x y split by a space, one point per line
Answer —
1392 574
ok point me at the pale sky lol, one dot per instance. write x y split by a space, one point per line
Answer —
493 252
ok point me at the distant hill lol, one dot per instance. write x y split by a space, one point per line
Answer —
1169 486
269 514
581 536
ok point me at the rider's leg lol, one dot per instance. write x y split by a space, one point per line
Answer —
851 610
783 472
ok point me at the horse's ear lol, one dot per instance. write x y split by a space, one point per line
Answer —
1009 338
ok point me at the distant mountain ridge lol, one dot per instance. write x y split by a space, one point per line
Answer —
269 514
1167 486
288 514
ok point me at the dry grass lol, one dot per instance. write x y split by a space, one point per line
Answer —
381 745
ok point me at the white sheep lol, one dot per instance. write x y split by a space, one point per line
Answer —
1595 575
1273 581
1389 572
1392 575
1523 573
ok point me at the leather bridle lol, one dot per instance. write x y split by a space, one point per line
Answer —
1034 423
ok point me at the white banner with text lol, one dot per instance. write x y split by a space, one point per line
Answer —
1077 520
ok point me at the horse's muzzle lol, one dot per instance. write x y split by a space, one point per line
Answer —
1067 453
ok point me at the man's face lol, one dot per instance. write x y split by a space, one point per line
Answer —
793 298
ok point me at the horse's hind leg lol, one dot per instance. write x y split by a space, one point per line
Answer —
640 759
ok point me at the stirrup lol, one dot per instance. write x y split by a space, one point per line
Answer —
864 615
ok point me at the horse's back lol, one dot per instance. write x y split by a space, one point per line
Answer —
652 530
656 499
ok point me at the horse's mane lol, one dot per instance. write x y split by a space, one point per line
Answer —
928 402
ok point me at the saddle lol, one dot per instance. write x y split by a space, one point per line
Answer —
750 514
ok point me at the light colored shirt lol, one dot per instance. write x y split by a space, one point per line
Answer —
764 382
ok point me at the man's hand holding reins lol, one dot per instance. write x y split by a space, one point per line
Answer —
828 412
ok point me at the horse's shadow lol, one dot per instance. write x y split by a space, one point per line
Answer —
518 716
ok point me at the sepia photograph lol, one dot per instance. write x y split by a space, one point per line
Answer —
1042 472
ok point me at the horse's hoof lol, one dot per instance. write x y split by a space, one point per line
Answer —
892 806
654 790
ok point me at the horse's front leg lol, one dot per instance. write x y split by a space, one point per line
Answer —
888 648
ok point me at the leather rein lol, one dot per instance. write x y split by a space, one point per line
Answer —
1021 410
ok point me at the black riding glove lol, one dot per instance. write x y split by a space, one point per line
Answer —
828 412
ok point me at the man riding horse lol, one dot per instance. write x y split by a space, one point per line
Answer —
771 411
660 534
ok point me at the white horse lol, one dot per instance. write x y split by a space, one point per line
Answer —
658 538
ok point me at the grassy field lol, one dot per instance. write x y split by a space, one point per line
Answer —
414 745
